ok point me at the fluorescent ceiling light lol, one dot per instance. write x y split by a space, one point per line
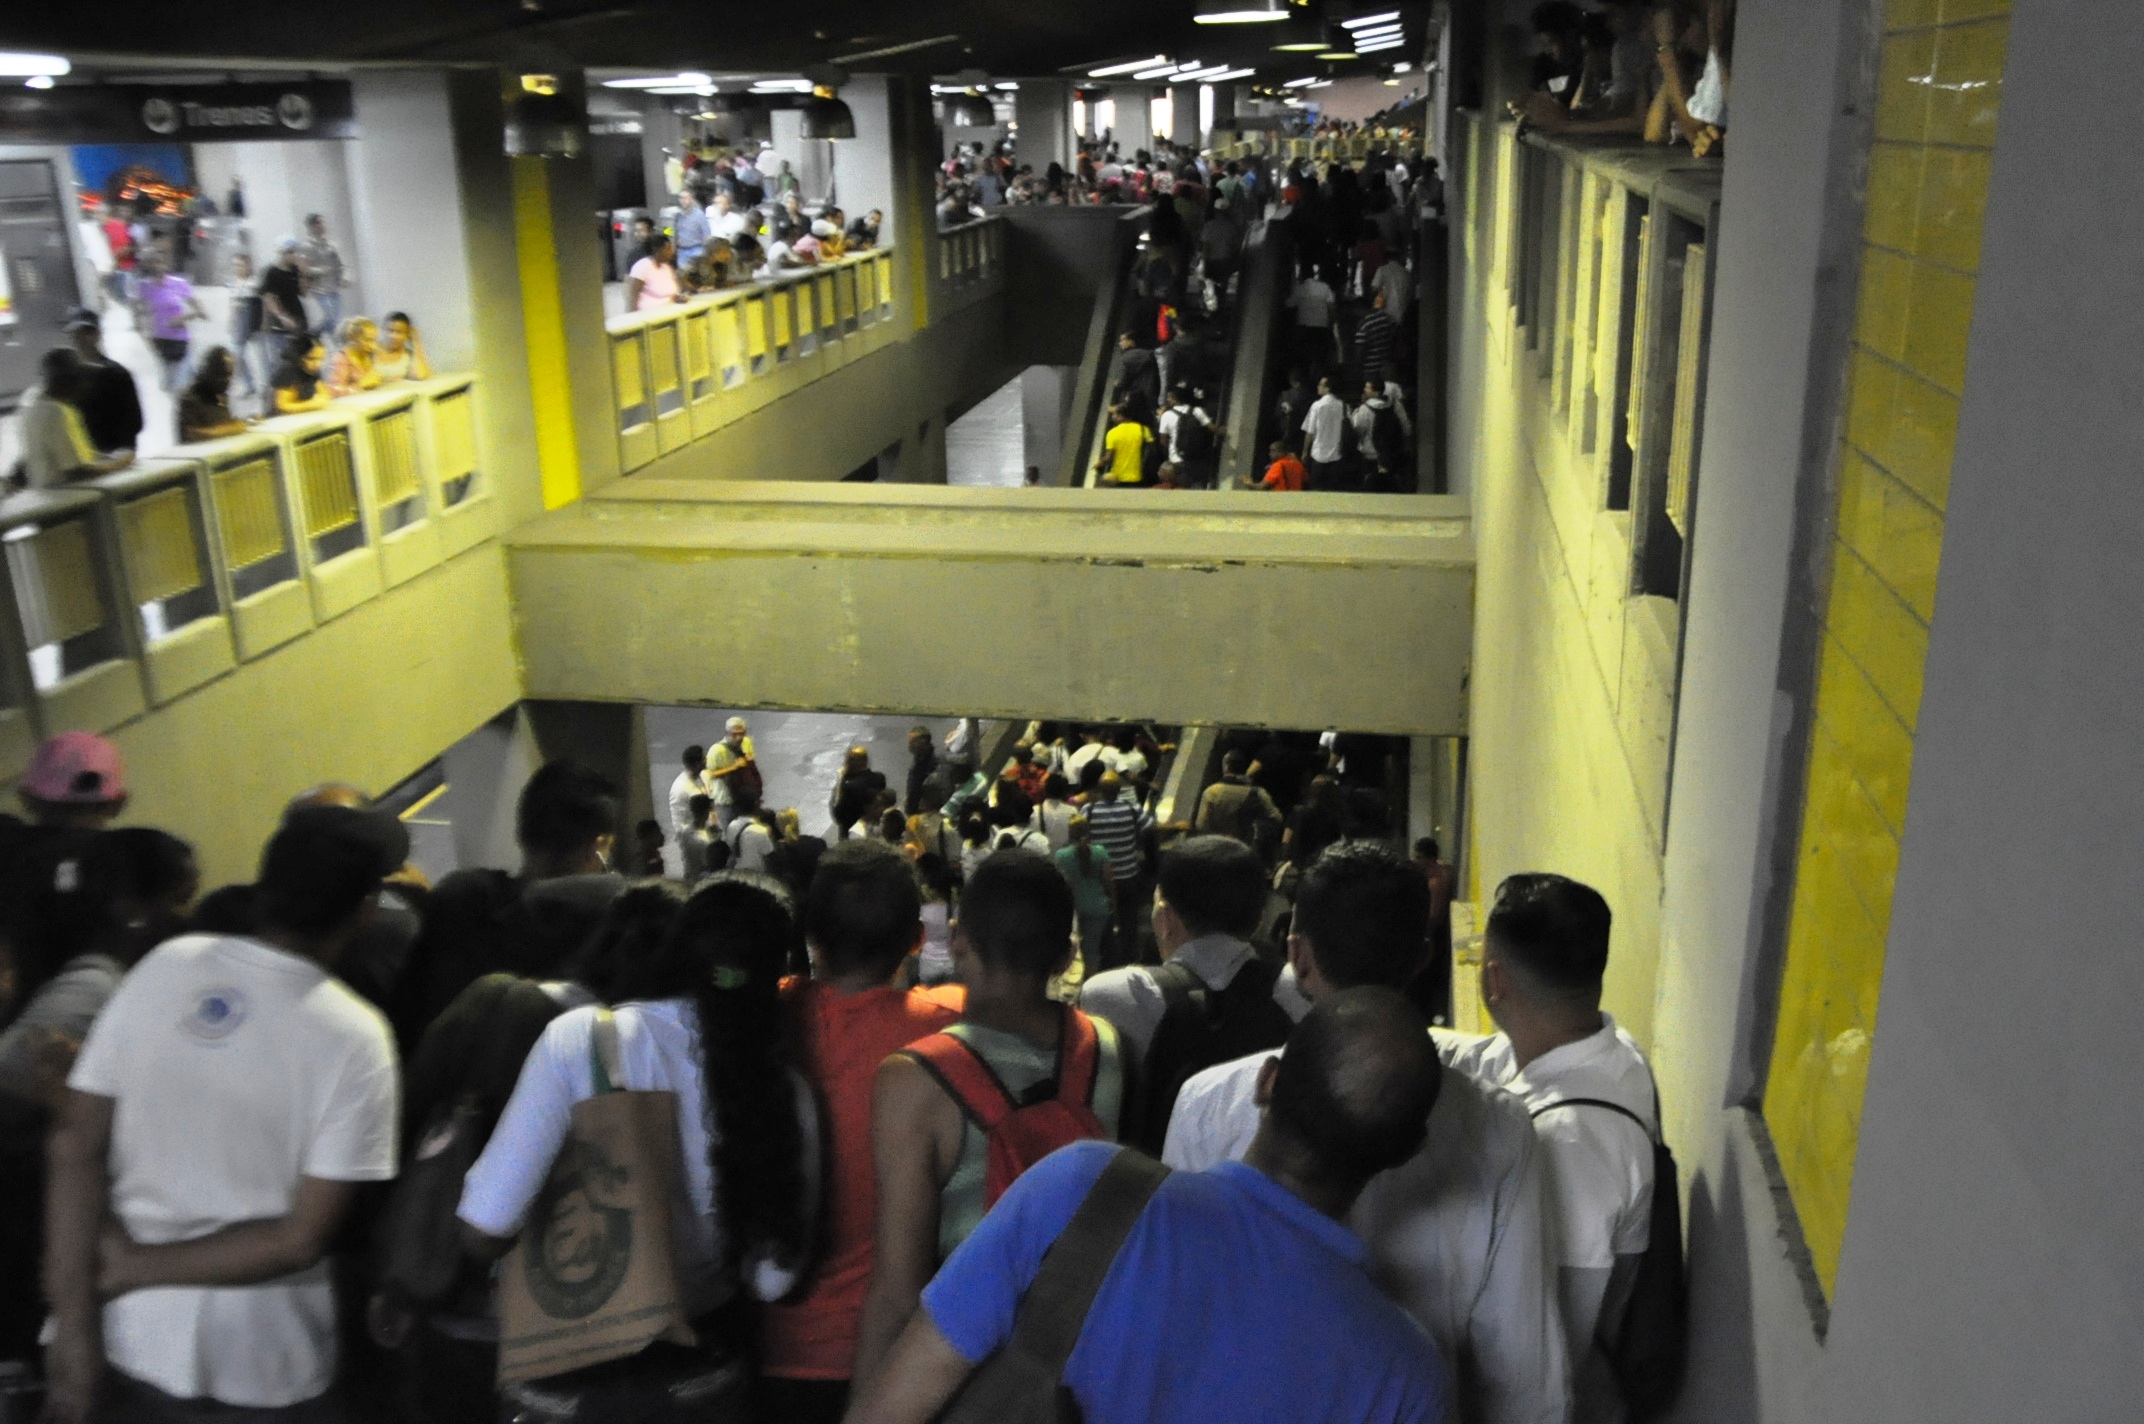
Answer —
1303 83
1394 43
781 86
1243 12
1382 32
1194 64
1155 73
1403 66
38 81
16 65
659 82
1228 74
1107 70
1009 85
1361 20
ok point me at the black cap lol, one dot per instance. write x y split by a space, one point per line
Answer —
325 860
81 319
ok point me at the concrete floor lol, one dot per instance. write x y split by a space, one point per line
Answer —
799 752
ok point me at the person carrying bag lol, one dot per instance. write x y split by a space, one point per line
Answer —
654 1179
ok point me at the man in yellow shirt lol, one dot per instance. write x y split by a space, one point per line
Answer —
1123 460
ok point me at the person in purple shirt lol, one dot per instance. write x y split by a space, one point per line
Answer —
166 304
1238 1293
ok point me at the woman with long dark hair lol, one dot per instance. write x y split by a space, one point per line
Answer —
700 1017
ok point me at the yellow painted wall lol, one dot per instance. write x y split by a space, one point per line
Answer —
368 698
1939 89
543 313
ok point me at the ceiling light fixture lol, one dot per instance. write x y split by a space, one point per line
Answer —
1394 43
1227 74
1108 69
1382 32
968 110
1244 12
38 81
659 82
1403 66
1155 73
17 65
1304 83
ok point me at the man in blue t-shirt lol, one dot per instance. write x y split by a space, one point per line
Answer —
1238 1294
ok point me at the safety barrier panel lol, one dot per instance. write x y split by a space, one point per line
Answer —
131 589
683 373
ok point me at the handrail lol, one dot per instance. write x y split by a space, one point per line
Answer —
132 588
681 373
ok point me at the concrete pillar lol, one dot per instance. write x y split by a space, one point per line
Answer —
486 770
405 193
864 166
911 223
1043 110
922 459
1045 411
1184 116
1134 119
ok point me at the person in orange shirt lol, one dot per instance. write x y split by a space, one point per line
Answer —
1285 473
862 920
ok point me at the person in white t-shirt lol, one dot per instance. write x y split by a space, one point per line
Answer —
751 836
1455 1235
692 781
224 1109
731 759
1544 950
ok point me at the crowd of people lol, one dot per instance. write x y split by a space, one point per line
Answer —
312 1147
290 349
732 224
1659 70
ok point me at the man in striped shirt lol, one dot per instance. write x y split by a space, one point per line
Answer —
1117 824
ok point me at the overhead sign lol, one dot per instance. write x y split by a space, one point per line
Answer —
181 113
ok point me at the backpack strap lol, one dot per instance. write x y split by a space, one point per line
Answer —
1054 1310
966 1078
1079 1058
1643 1125
1178 987
604 1063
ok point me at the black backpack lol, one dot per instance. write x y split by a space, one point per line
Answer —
1650 1346
1194 437
1200 1026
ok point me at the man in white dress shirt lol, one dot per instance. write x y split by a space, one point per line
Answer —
1544 951
692 781
1456 1235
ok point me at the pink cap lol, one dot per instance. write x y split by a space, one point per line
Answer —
75 768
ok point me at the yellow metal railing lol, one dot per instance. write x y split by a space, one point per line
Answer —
327 483
249 513
454 436
56 583
156 537
683 373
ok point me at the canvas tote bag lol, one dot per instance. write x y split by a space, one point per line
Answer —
593 1276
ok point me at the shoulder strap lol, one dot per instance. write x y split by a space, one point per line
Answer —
1054 1311
603 1060
1177 984
1079 1058
1643 1125
967 1079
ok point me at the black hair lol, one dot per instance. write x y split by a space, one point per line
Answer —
1554 929
1357 1083
1426 847
1234 763
1017 912
1055 787
642 828
1090 775
728 949
625 957
395 316
1365 911
699 806
892 825
863 909
695 756
563 809
1010 806
1367 814
1216 885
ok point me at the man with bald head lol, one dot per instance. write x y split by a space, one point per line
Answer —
1238 1294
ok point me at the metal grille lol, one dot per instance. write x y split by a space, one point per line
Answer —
394 457
249 514
730 355
845 294
56 583
454 436
327 484
628 372
823 300
698 330
157 534
779 300
755 326
662 367
1689 373
1641 326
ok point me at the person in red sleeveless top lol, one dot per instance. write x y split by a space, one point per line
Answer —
862 919
962 1113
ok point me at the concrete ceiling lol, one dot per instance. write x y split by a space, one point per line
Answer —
1008 38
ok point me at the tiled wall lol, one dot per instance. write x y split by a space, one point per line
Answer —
1939 88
